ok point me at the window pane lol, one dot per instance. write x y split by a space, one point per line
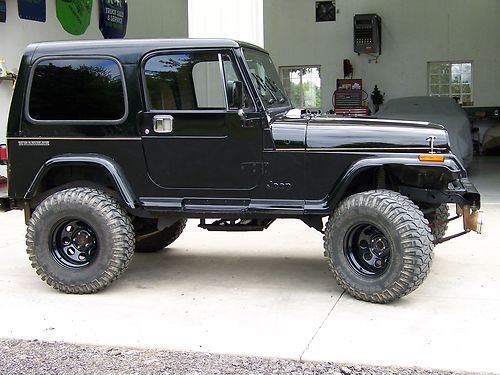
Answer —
453 79
443 89
455 88
185 81
435 79
303 86
444 78
83 89
445 69
466 77
467 68
435 68
434 89
208 85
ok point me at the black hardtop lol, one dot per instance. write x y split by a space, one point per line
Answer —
127 50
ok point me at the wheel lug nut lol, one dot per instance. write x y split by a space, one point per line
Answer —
81 257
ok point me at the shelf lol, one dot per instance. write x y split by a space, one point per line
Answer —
10 77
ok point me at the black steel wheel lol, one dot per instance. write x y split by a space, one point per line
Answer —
80 240
74 243
378 245
367 249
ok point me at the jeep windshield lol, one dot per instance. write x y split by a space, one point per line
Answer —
266 79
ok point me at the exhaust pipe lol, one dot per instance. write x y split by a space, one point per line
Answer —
473 219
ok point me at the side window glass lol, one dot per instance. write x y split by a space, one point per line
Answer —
86 89
208 85
184 81
232 74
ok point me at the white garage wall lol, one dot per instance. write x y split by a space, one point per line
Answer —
235 19
413 33
149 18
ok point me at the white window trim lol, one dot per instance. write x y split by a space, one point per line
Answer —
281 68
450 62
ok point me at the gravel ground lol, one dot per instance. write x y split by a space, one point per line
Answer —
37 357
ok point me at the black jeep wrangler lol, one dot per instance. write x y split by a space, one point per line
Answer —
112 145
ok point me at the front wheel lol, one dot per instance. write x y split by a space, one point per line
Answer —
79 240
378 245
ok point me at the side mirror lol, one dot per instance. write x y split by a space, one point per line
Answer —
234 90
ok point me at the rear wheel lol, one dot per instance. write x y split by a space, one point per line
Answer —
149 239
379 246
79 240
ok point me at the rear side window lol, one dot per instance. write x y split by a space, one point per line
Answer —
185 81
83 89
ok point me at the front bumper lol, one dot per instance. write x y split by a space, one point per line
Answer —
460 191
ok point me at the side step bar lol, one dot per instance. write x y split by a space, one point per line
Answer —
236 225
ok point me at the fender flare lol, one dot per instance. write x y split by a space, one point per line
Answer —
113 170
450 165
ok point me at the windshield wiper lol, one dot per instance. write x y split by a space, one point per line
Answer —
273 84
263 85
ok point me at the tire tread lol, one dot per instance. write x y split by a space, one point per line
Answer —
416 242
120 227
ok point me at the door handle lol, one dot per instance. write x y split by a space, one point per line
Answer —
163 124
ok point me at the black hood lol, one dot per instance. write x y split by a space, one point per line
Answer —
366 133
358 134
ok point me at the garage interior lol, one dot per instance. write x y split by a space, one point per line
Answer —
271 294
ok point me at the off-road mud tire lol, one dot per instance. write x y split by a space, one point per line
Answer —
408 237
159 240
113 232
438 221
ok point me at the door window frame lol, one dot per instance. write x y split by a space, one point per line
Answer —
219 53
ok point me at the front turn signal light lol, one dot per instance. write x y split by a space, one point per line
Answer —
431 158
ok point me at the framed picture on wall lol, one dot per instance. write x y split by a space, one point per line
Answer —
74 15
325 11
113 16
33 10
3 11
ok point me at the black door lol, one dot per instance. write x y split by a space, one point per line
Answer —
192 139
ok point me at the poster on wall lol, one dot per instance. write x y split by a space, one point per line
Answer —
3 11
325 11
113 15
33 10
74 15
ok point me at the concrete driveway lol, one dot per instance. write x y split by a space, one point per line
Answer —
268 294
